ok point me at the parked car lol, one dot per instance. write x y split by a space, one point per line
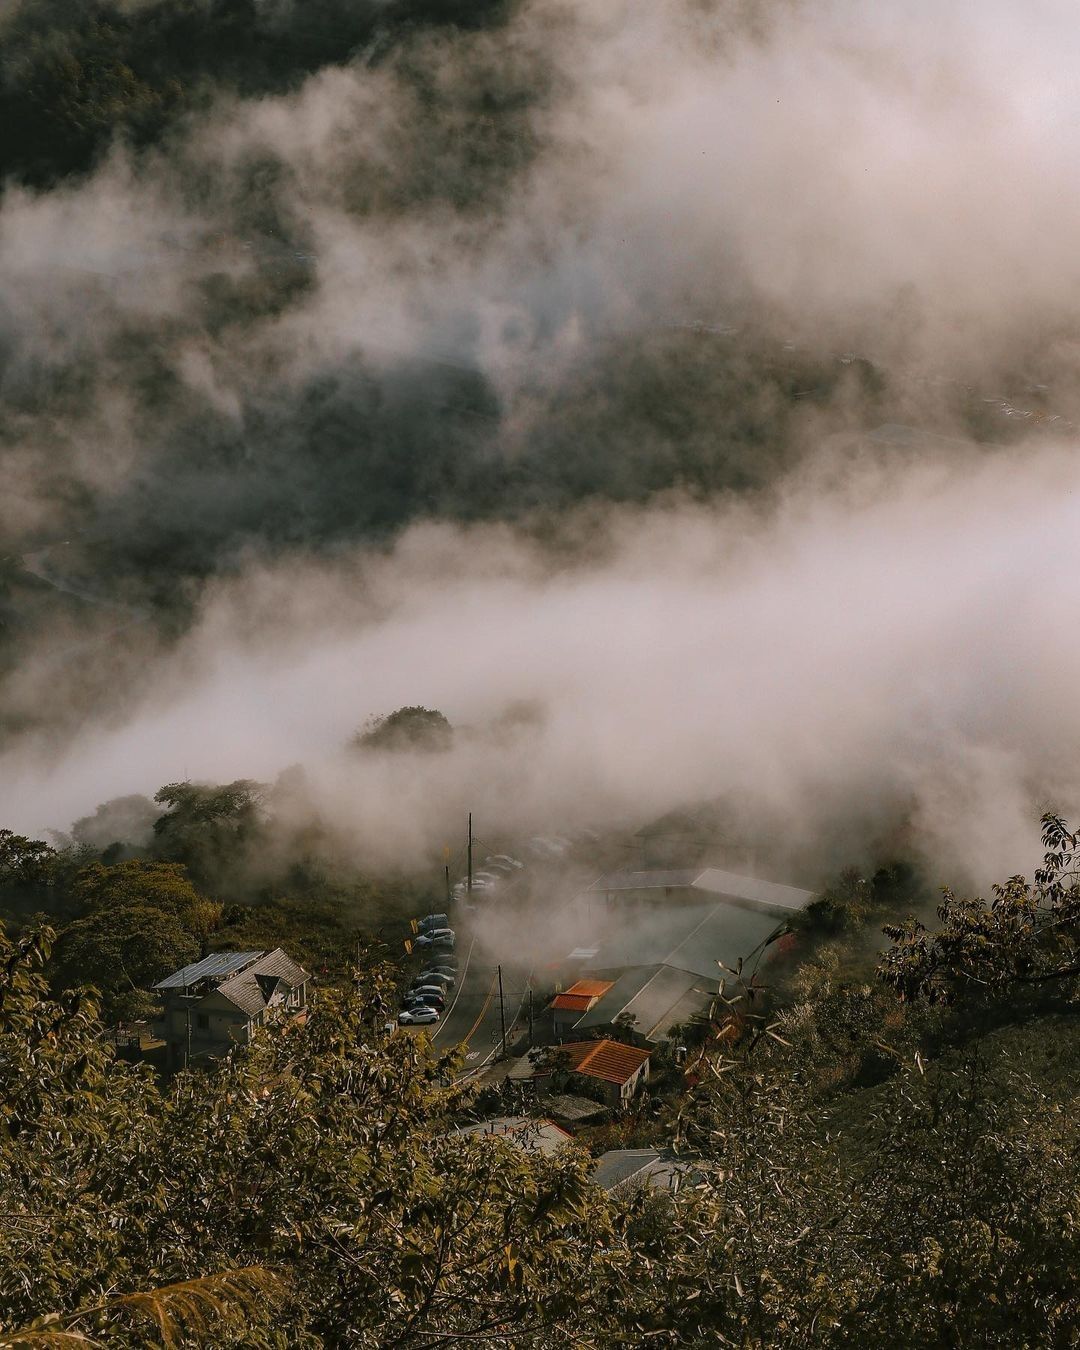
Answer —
482 881
503 860
432 921
433 936
444 977
436 1001
419 1016
553 847
419 990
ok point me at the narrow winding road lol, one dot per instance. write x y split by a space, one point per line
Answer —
473 1016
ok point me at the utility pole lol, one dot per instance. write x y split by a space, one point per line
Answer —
470 855
446 869
187 1052
530 1018
502 1011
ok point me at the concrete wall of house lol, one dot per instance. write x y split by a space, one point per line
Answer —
565 1020
216 1026
224 1021
634 1082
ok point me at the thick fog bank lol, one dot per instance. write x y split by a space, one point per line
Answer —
532 364
881 653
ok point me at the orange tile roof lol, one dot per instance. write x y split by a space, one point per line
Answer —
581 996
605 1059
573 1002
594 988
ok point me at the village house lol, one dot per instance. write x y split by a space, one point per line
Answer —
618 1071
213 1005
694 884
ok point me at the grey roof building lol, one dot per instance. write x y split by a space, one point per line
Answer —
213 1005
766 896
655 943
533 1136
626 1167
694 935
656 997
571 1108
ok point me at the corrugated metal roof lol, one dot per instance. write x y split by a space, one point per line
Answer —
217 966
253 989
568 1106
646 881
609 1060
692 936
713 881
762 894
621 1166
618 1165
657 996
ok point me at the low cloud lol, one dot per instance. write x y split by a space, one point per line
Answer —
885 661
633 280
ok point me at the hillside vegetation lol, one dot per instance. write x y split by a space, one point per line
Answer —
884 1157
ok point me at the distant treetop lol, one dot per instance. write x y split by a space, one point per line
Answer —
413 728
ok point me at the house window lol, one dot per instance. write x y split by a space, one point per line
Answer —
202 1021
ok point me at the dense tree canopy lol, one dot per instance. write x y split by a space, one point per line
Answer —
137 922
210 828
1024 943
413 728
75 79
320 1158
861 1169
869 1158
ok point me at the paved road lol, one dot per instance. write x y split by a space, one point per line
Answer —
473 1015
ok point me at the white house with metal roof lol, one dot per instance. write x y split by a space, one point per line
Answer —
213 1005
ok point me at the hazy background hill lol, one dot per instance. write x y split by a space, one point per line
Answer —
703 375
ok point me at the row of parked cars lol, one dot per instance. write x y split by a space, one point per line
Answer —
496 867
426 996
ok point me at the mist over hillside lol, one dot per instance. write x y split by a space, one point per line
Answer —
704 374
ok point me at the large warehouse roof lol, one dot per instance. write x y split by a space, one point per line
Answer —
767 895
657 997
692 935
